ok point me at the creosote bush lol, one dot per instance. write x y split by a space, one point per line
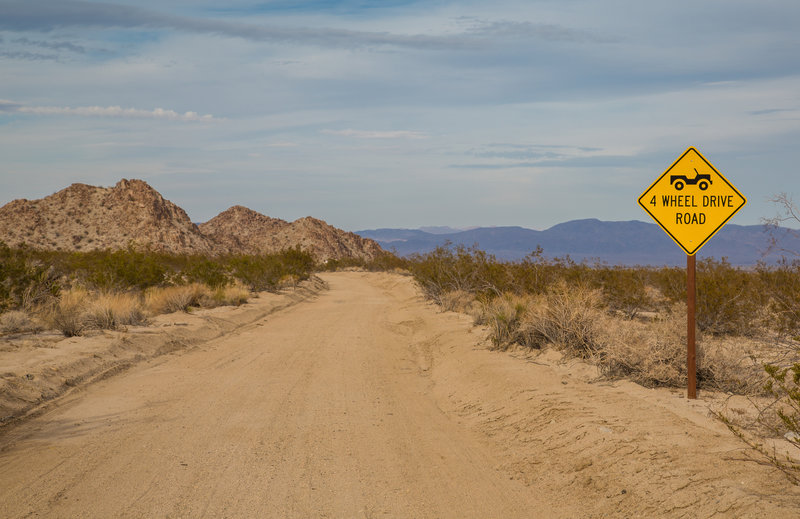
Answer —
25 280
631 321
76 291
383 262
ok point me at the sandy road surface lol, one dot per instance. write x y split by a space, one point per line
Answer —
366 402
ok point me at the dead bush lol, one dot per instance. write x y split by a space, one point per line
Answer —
17 321
108 311
288 281
236 294
729 364
569 317
68 313
456 300
504 317
165 300
653 354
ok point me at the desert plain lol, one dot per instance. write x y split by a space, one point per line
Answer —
354 396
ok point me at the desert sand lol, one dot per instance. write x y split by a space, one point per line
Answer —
364 400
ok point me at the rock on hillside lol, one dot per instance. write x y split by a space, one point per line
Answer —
243 230
83 217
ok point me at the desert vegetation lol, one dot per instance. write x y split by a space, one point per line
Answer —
75 291
631 322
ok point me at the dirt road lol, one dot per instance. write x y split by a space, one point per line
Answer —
366 402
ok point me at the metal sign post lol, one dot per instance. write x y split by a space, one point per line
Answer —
691 201
691 301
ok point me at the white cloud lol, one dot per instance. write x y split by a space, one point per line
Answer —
371 134
104 111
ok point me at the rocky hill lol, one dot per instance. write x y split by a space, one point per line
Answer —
83 217
240 229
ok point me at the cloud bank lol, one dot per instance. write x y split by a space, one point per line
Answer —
49 15
371 134
103 111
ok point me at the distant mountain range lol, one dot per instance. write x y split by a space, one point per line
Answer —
615 243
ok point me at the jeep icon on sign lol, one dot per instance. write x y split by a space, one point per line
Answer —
701 180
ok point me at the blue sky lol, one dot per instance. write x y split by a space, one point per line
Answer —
400 113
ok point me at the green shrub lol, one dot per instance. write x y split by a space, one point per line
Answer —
448 268
24 280
729 300
387 262
334 264
204 270
265 272
120 269
624 289
784 386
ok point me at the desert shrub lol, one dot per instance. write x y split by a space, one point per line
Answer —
651 354
784 385
68 313
533 274
24 280
504 316
334 264
781 285
259 273
724 364
539 301
120 269
449 268
109 311
729 300
44 285
624 289
287 281
200 269
164 300
16 321
236 294
387 262
264 272
671 283
382 262
296 262
780 417
570 318
457 301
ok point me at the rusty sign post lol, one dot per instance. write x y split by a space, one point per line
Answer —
691 201
691 305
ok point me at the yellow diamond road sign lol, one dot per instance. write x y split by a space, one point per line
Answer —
691 201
